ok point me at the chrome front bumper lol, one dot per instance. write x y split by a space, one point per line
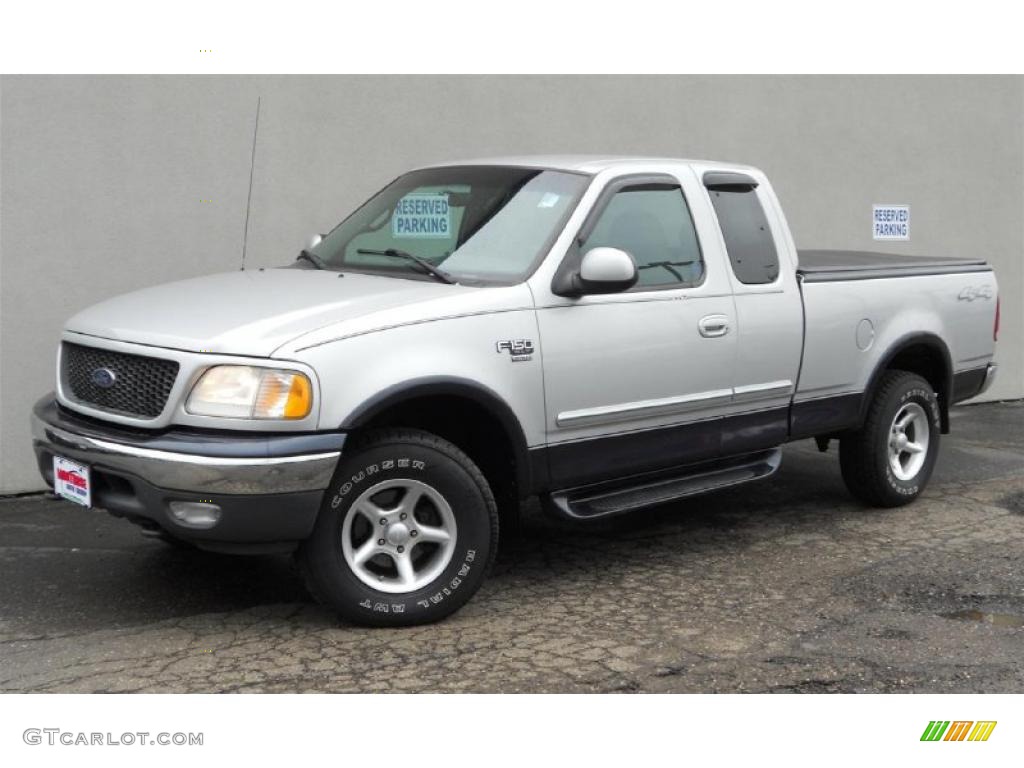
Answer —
266 487
197 463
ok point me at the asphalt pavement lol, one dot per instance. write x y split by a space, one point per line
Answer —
784 586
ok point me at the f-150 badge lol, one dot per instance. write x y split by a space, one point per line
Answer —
520 350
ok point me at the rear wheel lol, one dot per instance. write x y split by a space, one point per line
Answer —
406 533
888 462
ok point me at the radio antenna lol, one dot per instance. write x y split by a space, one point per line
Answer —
252 168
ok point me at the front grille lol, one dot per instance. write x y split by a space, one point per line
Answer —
140 385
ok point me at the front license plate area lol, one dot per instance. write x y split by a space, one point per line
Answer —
71 481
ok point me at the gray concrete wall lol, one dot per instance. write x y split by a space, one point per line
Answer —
103 179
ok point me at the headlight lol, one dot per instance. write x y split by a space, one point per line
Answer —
247 392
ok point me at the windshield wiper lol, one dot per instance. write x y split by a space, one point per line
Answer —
440 274
670 266
312 258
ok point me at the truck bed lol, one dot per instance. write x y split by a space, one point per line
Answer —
824 266
850 327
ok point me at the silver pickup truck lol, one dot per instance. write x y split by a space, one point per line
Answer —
605 333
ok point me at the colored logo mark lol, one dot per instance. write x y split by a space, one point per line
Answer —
958 730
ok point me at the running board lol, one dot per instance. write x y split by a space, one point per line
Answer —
595 502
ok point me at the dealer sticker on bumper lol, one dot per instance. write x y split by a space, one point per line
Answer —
71 481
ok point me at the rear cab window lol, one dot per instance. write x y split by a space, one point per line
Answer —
748 237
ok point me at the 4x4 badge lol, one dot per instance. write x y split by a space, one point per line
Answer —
972 292
520 350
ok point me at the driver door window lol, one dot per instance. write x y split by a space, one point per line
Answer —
652 223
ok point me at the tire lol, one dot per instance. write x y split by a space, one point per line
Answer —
415 576
881 468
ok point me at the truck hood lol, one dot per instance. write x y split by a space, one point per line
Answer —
257 311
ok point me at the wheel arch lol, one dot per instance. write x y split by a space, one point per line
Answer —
925 354
451 389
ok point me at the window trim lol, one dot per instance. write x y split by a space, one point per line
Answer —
729 181
573 256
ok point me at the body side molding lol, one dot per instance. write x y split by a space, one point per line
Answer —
662 405
672 405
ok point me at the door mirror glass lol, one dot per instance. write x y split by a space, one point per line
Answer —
607 270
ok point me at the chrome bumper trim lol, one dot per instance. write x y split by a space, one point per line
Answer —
990 376
188 472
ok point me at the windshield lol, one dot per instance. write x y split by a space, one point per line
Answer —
478 224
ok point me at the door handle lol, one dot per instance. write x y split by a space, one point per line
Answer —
711 326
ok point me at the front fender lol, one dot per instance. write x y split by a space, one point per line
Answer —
360 375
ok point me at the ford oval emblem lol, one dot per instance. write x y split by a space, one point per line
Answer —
103 378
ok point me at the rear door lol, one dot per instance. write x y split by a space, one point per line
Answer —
769 312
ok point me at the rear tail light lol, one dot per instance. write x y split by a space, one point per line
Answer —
995 326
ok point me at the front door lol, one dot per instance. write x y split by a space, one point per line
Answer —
635 381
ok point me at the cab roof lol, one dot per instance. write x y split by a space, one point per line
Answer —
589 164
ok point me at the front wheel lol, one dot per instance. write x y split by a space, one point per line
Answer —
406 534
887 463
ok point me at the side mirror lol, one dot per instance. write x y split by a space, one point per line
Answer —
314 241
607 270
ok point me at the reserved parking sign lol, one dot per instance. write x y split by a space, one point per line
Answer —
422 215
890 222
